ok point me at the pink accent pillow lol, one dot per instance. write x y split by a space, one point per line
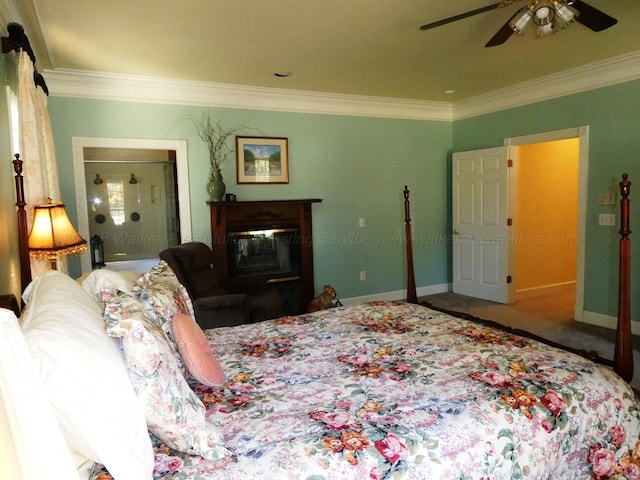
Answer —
196 351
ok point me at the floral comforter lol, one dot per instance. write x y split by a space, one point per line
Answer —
394 390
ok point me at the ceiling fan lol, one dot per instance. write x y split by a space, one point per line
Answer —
547 15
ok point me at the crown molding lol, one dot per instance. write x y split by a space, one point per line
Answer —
96 85
83 84
623 68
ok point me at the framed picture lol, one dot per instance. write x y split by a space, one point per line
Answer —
262 159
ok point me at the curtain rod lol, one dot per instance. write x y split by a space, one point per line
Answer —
18 40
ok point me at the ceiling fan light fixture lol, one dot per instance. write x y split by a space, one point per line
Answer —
549 16
543 17
545 30
521 21
565 14
544 13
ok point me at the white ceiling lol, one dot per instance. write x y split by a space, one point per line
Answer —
359 47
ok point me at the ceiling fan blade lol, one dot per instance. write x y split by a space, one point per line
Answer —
593 18
461 16
501 35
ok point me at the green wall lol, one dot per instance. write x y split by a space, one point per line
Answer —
613 116
358 166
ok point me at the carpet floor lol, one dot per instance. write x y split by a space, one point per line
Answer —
550 316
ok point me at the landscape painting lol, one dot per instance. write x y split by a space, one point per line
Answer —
262 159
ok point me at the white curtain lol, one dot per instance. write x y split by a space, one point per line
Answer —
37 151
33 447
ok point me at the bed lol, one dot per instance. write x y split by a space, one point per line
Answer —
379 390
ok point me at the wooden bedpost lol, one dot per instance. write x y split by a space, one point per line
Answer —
623 356
23 234
411 281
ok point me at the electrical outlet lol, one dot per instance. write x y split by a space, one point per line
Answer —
607 219
361 222
363 276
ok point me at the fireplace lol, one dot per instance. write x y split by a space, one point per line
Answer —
271 239
272 253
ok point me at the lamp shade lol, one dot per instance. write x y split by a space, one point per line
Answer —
52 233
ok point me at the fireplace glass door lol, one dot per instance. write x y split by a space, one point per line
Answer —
273 254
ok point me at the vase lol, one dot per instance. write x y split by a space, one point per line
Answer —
216 186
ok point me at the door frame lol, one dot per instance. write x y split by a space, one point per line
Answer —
182 179
582 133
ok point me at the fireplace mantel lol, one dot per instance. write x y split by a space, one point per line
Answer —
268 214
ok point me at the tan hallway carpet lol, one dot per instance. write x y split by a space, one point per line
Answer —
550 316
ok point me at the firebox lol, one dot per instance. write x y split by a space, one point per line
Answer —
273 254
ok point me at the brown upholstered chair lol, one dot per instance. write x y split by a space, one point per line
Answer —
216 303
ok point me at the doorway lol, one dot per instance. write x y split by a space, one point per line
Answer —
581 136
482 225
131 202
134 195
545 230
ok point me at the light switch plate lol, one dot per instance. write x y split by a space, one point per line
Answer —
607 198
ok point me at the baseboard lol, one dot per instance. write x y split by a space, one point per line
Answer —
397 295
550 289
607 321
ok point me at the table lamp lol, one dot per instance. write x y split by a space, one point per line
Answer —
52 233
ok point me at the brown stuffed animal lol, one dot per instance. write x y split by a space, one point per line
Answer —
327 299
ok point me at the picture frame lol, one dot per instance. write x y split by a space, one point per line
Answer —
262 160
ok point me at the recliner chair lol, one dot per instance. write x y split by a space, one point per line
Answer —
216 303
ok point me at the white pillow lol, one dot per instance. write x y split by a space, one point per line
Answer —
85 377
104 279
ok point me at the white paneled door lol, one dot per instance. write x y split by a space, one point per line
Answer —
482 243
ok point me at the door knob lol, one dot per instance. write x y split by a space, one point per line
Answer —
456 232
